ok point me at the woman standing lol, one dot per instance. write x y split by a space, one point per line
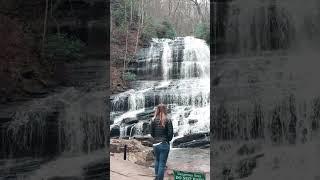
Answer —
162 133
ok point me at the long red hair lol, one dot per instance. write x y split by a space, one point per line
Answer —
161 112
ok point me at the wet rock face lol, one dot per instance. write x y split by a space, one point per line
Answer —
48 126
246 149
18 168
147 69
192 141
244 160
42 140
271 108
115 131
130 120
245 167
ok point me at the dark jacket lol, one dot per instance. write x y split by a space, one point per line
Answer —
159 133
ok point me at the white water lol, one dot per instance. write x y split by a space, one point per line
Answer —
188 96
196 58
166 59
277 46
295 24
81 121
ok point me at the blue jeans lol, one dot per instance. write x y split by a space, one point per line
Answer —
161 153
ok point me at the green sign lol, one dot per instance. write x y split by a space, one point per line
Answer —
180 175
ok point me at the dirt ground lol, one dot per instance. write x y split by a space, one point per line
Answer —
125 170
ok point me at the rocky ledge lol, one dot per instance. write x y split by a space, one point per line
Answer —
197 140
136 151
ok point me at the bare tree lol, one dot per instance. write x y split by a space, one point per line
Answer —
196 3
127 32
131 12
141 24
45 25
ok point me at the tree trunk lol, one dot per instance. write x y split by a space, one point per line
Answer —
139 27
131 12
196 3
125 55
52 8
45 26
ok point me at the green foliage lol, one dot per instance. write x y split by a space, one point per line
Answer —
63 47
150 30
202 31
166 30
121 13
154 29
129 76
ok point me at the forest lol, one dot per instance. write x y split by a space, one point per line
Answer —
135 22
36 36
160 54
53 68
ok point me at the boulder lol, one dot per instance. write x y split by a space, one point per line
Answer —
147 114
147 143
145 140
136 152
227 174
28 73
192 121
195 143
245 167
146 128
130 120
115 131
246 150
189 137
33 88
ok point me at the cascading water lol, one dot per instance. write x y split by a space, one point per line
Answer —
258 25
183 65
68 122
66 127
269 87
166 59
196 59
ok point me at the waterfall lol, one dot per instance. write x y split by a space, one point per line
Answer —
83 123
257 25
166 59
269 89
196 60
70 121
183 65
136 100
